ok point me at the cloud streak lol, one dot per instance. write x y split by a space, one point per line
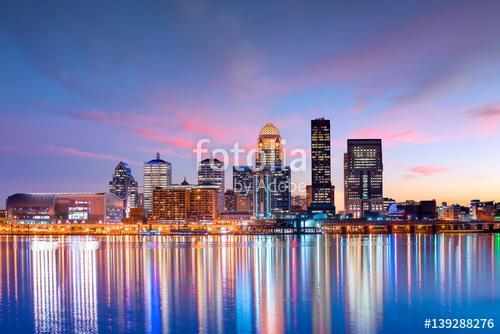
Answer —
427 170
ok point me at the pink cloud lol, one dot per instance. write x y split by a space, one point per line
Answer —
74 152
428 170
164 138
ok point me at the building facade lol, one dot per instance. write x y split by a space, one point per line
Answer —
124 186
321 186
185 202
230 200
46 208
157 173
243 187
211 172
269 151
271 180
363 170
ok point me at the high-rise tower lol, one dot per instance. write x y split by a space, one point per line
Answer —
269 149
270 180
211 171
157 173
124 186
321 186
363 177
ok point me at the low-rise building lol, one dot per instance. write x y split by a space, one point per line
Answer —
45 208
185 202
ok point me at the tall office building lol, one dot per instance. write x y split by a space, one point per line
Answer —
243 187
321 186
363 177
269 152
157 173
124 186
271 180
211 172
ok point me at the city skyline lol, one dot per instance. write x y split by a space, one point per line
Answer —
72 108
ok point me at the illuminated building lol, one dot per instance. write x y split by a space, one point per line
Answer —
45 208
243 203
363 177
3 214
211 171
136 216
243 187
230 200
271 180
298 204
157 173
269 149
280 190
124 186
450 212
309 195
321 190
185 202
482 210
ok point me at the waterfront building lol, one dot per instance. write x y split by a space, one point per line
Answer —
321 185
482 210
185 202
230 199
211 171
271 180
234 217
298 204
388 202
124 186
452 212
243 203
45 208
269 152
243 187
157 173
3 214
363 177
309 195
136 216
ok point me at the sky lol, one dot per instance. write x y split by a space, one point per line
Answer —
85 84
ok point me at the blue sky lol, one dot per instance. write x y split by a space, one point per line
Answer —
86 84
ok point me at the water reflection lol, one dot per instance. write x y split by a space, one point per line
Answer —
317 284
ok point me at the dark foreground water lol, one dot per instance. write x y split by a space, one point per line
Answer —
264 284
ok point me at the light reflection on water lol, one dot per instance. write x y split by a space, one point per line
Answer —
243 284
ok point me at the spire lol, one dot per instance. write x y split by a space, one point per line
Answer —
185 182
158 155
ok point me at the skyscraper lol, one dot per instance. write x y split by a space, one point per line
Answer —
157 173
243 187
321 186
271 180
269 152
363 177
211 171
124 186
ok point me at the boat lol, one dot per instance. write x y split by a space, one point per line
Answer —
187 231
149 231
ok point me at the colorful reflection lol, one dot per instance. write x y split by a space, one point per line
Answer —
245 284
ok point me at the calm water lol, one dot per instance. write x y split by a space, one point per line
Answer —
246 284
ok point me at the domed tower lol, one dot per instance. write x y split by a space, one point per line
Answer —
269 149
